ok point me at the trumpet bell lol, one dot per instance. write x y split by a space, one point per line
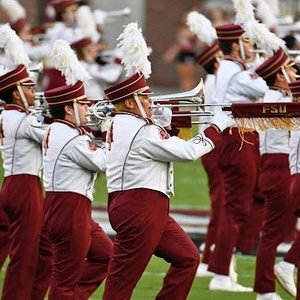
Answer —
195 95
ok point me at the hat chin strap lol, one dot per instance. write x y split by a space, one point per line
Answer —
76 112
139 104
286 75
23 97
242 50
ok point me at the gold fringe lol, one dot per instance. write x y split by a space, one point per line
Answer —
263 124
185 133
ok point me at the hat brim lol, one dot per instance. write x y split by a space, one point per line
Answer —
146 92
85 101
30 82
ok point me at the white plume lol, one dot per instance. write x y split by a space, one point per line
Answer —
264 12
260 35
274 4
135 51
86 23
67 62
244 11
13 46
201 27
14 9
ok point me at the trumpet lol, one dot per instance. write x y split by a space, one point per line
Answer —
116 13
196 95
290 52
102 17
39 112
97 112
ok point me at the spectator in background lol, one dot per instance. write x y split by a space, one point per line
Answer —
182 52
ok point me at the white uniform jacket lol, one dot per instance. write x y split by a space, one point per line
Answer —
210 91
294 156
71 160
140 155
20 142
273 140
235 84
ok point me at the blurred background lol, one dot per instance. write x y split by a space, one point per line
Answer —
160 21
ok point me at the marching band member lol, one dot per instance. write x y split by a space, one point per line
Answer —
21 194
284 270
102 76
19 23
65 28
71 161
183 53
209 58
275 177
140 182
239 160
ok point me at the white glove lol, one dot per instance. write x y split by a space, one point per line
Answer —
105 124
222 120
162 115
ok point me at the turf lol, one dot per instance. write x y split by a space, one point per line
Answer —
151 282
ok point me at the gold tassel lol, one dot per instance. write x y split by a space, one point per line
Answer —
263 124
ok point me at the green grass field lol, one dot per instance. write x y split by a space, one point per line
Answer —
151 282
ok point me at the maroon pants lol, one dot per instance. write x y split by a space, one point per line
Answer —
211 165
253 224
4 235
22 201
44 267
293 255
239 164
81 249
279 217
143 225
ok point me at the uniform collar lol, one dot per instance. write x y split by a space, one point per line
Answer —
147 119
285 92
238 61
15 107
81 129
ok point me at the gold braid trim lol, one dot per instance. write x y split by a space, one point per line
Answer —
241 133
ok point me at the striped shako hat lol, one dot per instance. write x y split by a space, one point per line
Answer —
18 76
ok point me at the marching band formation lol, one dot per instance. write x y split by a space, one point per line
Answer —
97 115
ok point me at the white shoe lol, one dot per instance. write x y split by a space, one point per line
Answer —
285 276
232 269
202 271
268 296
228 285
202 247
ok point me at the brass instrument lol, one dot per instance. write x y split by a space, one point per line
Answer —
98 111
39 111
196 95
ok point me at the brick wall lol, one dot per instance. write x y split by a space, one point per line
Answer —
162 20
34 10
